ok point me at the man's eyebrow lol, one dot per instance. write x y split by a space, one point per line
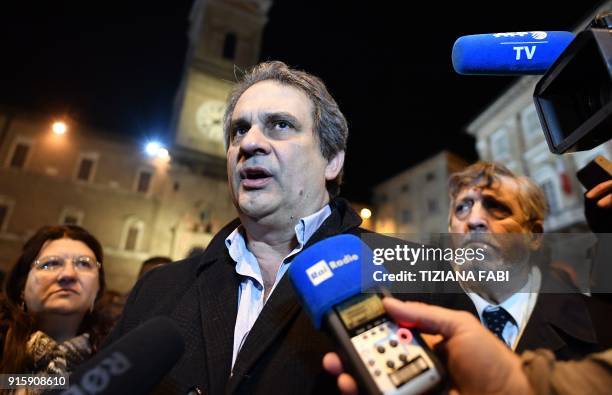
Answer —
497 201
241 120
237 122
280 115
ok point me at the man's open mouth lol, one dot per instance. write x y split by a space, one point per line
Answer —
255 177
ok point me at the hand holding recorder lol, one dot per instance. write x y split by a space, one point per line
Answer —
477 362
333 280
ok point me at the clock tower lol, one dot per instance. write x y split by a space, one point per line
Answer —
224 38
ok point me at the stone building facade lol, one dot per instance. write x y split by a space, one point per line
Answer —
137 206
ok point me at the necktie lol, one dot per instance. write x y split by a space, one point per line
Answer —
496 318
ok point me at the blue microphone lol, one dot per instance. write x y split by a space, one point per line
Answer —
334 279
330 272
518 53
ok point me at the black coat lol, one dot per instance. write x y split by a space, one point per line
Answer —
570 324
282 353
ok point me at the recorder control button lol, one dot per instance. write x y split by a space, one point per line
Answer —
404 335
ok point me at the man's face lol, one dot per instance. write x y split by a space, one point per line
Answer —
492 209
492 218
274 163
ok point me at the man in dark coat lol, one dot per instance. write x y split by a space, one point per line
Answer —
537 306
243 327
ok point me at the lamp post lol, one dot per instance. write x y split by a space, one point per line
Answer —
59 127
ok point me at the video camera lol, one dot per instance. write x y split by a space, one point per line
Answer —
574 98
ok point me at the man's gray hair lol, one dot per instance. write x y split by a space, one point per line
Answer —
329 124
483 174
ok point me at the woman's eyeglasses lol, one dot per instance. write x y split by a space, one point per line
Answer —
54 263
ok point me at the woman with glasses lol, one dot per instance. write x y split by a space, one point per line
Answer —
52 315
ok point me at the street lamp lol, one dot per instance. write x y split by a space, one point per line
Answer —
152 148
162 153
59 127
155 149
365 213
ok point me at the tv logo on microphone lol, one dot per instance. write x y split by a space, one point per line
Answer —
322 271
534 35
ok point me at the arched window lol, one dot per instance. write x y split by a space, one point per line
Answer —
133 231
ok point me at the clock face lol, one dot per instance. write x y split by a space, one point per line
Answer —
209 119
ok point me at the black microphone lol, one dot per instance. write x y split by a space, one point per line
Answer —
133 365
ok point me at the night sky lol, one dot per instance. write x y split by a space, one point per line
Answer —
388 64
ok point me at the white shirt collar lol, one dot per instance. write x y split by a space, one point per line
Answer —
246 263
517 304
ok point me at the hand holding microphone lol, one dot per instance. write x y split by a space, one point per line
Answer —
334 280
478 363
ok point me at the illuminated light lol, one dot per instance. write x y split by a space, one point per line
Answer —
152 148
59 127
163 153
365 213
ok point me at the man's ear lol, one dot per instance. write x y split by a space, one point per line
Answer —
334 166
537 230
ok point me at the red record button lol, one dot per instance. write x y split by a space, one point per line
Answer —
404 335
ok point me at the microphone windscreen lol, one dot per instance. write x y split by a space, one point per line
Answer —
520 53
330 272
133 364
